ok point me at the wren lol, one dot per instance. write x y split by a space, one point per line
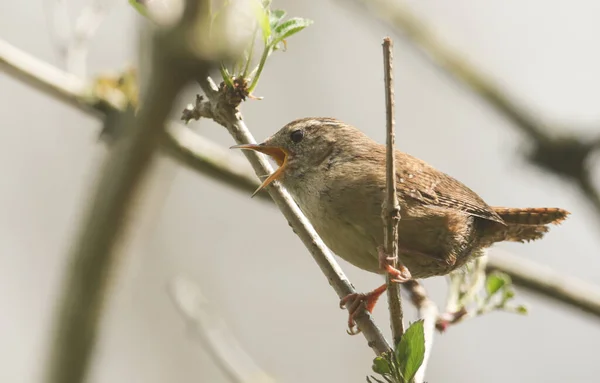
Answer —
336 174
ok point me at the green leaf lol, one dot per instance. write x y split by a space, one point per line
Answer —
289 28
521 309
140 6
410 352
508 294
495 282
275 18
381 365
263 16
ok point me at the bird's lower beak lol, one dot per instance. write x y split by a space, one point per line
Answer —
278 154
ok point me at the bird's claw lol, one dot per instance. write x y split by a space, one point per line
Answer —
400 274
356 302
353 302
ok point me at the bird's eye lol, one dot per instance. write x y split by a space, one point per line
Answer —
297 136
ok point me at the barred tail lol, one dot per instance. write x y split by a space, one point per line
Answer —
531 216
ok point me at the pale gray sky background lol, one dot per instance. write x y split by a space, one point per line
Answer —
241 252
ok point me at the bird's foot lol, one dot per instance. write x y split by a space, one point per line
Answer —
355 302
400 274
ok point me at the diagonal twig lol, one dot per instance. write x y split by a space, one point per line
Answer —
391 208
220 343
232 120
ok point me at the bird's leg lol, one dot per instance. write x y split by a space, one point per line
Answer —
401 274
354 302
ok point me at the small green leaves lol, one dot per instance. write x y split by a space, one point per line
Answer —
276 16
287 29
495 282
381 365
401 365
521 309
273 30
290 27
140 6
410 352
263 17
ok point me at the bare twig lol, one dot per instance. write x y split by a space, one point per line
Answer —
231 119
391 208
218 339
428 311
93 253
549 151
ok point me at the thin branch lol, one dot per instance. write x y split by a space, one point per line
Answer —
391 208
231 119
211 159
86 25
547 282
428 311
51 80
93 254
220 343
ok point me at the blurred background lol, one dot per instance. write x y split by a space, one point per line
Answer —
241 253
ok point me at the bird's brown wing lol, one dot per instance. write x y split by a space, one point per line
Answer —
418 180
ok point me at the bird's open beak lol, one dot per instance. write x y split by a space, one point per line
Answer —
278 154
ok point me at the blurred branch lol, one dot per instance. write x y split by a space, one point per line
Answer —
547 282
391 208
428 311
564 155
74 41
86 25
218 108
191 149
218 339
93 254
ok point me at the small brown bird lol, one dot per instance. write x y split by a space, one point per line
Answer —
336 174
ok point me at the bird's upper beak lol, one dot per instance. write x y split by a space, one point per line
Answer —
280 156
